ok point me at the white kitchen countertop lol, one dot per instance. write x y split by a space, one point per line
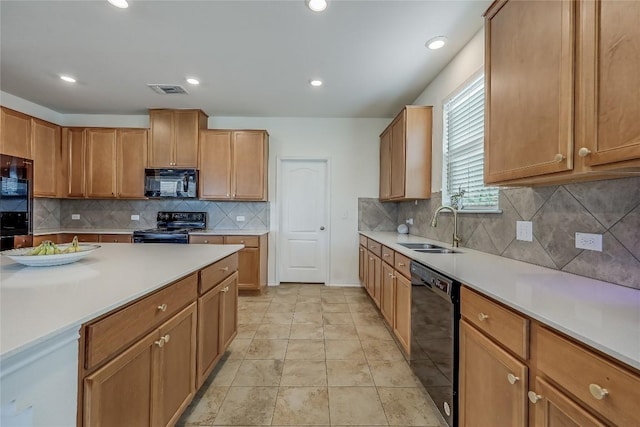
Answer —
600 314
37 303
216 232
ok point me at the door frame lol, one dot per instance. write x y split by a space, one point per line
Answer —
278 202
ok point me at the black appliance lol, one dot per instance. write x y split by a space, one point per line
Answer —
173 227
16 201
435 316
171 183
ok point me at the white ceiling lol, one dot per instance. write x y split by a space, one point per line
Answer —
253 58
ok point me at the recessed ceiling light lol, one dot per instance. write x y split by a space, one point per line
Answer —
436 42
68 79
315 82
122 4
193 81
317 5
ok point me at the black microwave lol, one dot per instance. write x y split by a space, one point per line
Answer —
171 183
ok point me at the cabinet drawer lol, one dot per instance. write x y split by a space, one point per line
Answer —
211 240
82 237
508 328
578 370
39 239
247 241
214 274
363 240
115 238
403 265
374 247
388 255
111 334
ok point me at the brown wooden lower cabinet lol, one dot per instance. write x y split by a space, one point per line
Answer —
402 311
84 238
51 237
374 266
492 383
252 260
387 300
149 378
217 317
554 408
115 238
362 254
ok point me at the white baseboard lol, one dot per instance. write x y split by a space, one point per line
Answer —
343 285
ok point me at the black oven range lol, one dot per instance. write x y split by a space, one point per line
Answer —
172 227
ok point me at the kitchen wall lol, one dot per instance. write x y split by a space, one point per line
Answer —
610 208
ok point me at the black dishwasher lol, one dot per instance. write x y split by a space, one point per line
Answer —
435 316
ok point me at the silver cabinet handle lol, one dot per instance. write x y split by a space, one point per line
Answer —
482 317
401 264
160 342
533 397
385 255
225 289
597 391
166 338
224 269
512 378
584 152
162 307
206 241
559 157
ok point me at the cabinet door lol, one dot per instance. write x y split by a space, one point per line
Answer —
249 165
487 395
119 394
186 135
398 159
101 163
46 158
175 367
75 152
371 273
529 72
362 256
229 311
387 294
249 268
15 134
132 160
377 280
161 139
402 311
116 238
555 409
608 110
385 165
209 324
215 165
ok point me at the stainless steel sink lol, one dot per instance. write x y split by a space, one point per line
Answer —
420 246
437 250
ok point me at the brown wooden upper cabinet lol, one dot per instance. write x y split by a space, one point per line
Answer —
558 104
233 164
46 148
15 133
174 137
104 163
405 155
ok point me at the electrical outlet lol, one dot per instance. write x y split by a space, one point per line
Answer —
409 221
240 218
75 216
524 231
135 217
591 242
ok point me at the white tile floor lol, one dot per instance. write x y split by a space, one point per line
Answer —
311 355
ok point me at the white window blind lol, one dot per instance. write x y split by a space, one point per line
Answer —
463 134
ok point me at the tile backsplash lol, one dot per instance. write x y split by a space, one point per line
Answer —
610 208
56 213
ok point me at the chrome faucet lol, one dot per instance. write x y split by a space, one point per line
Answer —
434 222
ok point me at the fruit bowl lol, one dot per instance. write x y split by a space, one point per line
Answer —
22 256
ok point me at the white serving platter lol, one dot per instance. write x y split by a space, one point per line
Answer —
21 256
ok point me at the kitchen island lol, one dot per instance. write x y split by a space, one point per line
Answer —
42 310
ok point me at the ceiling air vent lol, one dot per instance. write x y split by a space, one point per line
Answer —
168 89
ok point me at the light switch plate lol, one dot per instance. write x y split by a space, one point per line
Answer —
240 218
591 242
135 217
524 231
75 216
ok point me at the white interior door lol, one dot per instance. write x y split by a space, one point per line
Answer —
304 232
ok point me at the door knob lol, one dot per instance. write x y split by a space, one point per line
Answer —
322 227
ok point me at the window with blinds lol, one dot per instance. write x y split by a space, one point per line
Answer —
463 146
